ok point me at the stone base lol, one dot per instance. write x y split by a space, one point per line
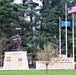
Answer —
15 61
56 63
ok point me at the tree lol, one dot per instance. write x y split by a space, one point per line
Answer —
30 25
46 54
50 12
48 30
5 17
5 24
10 15
42 28
69 4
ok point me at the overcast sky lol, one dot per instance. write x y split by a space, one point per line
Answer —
17 1
37 1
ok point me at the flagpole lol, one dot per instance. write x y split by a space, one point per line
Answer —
73 33
59 35
66 28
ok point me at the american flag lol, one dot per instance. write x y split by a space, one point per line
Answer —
71 9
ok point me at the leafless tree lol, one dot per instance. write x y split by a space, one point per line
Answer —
46 54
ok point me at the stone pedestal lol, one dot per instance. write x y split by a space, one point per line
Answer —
15 61
60 62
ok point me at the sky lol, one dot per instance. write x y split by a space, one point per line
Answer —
37 1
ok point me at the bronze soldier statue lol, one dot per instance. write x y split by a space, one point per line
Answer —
16 43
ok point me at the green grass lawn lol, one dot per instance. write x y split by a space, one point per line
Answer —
39 72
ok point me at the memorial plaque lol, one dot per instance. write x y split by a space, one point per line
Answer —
8 59
19 59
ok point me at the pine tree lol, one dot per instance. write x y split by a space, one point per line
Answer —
5 17
30 25
49 22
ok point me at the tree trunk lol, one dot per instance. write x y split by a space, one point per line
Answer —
46 68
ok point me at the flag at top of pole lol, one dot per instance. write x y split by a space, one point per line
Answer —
63 23
71 9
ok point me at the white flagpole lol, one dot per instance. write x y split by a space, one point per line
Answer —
59 36
66 28
73 33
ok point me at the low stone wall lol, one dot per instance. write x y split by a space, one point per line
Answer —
15 61
56 63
